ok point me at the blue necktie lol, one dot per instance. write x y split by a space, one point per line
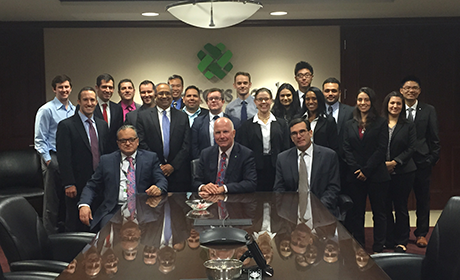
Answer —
244 111
167 228
165 124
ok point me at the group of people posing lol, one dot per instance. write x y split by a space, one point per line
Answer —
98 155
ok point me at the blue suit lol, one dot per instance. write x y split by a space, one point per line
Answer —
240 175
106 181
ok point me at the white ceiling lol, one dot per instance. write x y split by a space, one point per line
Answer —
54 10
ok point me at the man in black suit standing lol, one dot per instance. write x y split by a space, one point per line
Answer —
166 131
227 167
80 142
107 110
303 74
177 86
192 101
341 114
203 127
426 153
308 167
113 175
147 93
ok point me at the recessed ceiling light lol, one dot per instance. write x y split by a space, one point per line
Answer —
279 13
150 14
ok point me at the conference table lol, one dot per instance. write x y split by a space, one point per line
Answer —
161 239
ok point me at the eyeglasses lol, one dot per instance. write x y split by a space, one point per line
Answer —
214 98
306 75
301 133
262 99
130 140
413 88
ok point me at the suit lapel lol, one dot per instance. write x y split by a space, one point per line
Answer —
205 129
156 121
258 130
212 165
139 165
316 163
232 161
321 122
294 167
396 130
116 167
81 130
172 121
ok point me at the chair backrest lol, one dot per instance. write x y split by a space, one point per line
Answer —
195 165
442 259
20 168
22 235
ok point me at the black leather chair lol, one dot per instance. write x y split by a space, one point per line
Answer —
21 175
441 260
29 275
26 244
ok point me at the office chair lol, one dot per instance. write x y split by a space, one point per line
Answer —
441 259
26 244
30 275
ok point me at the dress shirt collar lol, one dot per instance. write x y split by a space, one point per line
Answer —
308 151
100 102
413 106
197 112
84 118
160 110
124 106
334 106
211 116
134 155
228 152
270 119
59 104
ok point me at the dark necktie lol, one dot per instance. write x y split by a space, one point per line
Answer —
330 110
104 113
244 111
131 187
175 104
410 117
165 127
93 143
215 118
129 108
222 167
303 102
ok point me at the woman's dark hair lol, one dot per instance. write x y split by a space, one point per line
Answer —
279 110
263 89
386 100
372 113
321 110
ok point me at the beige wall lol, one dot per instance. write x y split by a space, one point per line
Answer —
268 53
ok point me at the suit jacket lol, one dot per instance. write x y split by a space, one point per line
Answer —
324 177
116 121
250 135
74 151
402 147
240 175
367 154
131 117
149 132
106 181
325 133
345 114
200 133
427 147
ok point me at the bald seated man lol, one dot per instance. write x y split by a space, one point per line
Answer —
227 167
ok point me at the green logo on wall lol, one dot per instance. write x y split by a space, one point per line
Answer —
214 61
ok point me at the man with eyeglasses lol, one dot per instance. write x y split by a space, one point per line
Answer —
426 153
203 127
166 131
308 167
303 74
119 176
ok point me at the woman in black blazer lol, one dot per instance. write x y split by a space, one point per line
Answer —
365 144
323 126
286 103
401 166
264 125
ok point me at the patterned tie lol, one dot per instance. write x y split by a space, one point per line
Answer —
244 111
129 108
93 143
329 110
222 167
131 187
303 174
410 117
104 113
166 127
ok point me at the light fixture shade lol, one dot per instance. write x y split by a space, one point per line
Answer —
213 14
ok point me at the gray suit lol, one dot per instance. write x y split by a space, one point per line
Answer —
324 178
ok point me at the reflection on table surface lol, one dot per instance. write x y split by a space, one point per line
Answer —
298 236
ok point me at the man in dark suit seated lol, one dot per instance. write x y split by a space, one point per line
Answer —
227 167
308 167
201 131
119 176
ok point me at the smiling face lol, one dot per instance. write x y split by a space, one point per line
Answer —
363 102
263 102
147 94
311 102
286 97
105 90
303 78
331 92
395 105
410 90
163 96
126 91
224 133
87 103
215 102
242 85
177 88
192 99
62 91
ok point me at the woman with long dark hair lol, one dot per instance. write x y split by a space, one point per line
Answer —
365 144
400 165
286 103
323 126
267 136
